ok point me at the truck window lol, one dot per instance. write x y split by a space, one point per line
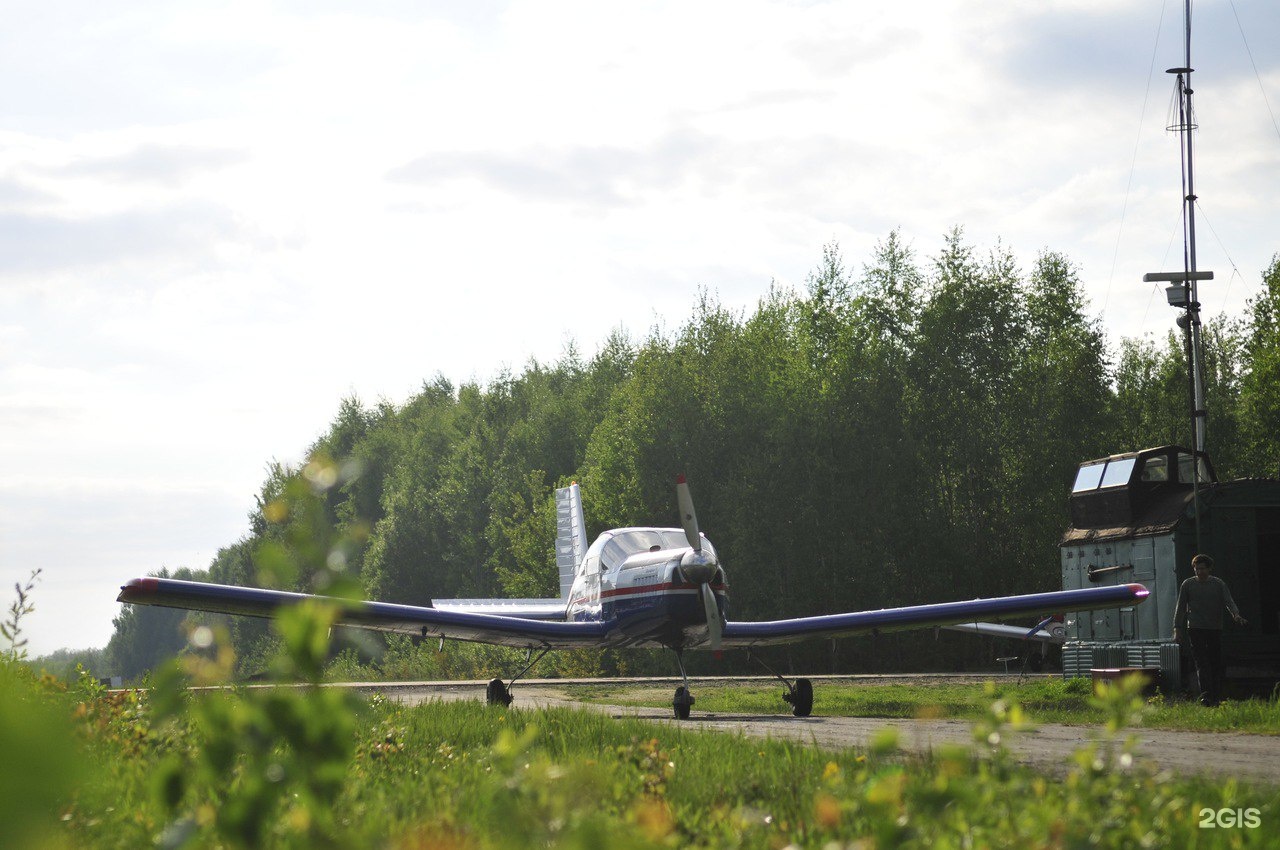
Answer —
1155 469
1118 472
1088 476
1185 470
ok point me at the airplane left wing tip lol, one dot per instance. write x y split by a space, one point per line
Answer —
132 588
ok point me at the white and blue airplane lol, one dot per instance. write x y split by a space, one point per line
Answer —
632 587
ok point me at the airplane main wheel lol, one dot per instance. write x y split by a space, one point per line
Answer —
497 693
682 703
801 698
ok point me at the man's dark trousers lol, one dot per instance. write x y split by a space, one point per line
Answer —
1206 648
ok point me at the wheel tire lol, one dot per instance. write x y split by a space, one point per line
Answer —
682 703
802 698
497 693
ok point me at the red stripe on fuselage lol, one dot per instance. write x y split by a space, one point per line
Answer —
668 587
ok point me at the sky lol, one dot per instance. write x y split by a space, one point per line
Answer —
219 220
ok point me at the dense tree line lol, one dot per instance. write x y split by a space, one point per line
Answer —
899 434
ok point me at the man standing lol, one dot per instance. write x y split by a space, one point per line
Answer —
1200 603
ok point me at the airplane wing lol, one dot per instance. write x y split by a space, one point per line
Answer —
525 633
921 616
378 616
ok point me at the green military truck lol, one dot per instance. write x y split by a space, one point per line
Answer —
1134 519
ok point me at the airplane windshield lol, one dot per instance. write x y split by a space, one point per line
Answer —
622 545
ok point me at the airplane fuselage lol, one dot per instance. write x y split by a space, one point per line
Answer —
631 579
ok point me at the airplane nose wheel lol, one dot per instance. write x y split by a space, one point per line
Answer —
684 700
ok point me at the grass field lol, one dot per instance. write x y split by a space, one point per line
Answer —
321 768
314 767
1048 701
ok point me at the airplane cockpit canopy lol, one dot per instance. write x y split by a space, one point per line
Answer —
614 547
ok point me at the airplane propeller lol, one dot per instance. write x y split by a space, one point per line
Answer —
715 628
698 566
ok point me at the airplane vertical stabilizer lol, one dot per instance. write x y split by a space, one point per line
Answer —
571 535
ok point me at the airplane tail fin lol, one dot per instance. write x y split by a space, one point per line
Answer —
571 535
571 546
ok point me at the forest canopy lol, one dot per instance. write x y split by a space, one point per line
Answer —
901 433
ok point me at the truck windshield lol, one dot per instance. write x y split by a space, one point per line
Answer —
1118 472
1088 477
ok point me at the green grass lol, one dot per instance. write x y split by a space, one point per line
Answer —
312 767
299 767
462 774
1048 701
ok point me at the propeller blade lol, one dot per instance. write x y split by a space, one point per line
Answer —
687 518
714 626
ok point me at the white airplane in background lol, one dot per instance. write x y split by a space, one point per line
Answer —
632 587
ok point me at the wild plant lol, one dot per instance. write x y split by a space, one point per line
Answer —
11 627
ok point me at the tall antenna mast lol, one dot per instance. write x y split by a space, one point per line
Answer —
1186 129
1182 291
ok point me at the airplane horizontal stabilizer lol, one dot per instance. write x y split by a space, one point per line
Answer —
1013 632
526 609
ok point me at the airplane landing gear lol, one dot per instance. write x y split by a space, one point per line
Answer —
683 700
682 703
799 695
499 693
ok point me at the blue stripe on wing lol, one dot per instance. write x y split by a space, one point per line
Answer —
379 616
921 616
